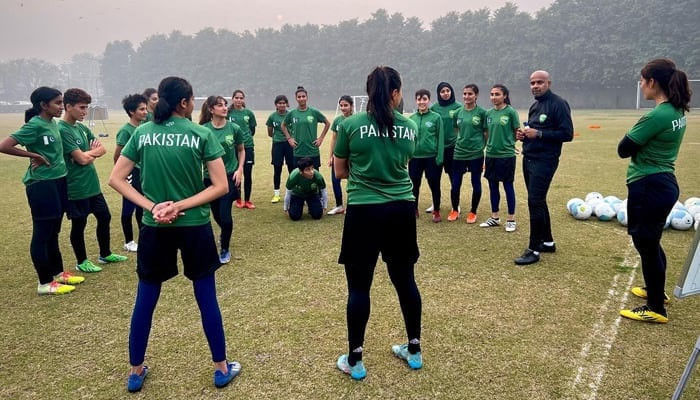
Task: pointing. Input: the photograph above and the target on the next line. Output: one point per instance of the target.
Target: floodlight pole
(638, 87)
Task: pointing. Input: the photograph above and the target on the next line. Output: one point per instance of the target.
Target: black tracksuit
(551, 115)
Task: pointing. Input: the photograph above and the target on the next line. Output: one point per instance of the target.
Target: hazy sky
(54, 30)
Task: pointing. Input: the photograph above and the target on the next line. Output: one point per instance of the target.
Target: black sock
(355, 356)
(414, 346)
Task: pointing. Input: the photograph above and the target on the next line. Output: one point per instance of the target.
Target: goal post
(359, 103)
(694, 101)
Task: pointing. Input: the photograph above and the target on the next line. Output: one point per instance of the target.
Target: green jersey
(81, 179)
(245, 119)
(171, 155)
(447, 113)
(124, 134)
(659, 133)
(303, 126)
(302, 186)
(471, 125)
(378, 160)
(229, 137)
(42, 137)
(274, 121)
(149, 116)
(501, 125)
(430, 139)
(334, 126)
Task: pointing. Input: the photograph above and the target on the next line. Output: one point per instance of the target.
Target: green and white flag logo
(246, 118)
(543, 117)
(310, 118)
(476, 120)
(504, 120)
(229, 140)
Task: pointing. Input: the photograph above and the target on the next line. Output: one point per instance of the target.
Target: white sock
(548, 243)
(277, 192)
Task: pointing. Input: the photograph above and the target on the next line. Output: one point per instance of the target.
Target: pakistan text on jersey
(169, 139)
(678, 123)
(398, 132)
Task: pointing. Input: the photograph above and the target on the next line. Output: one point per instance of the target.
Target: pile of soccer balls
(682, 216)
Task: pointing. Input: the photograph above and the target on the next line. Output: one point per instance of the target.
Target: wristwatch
(539, 134)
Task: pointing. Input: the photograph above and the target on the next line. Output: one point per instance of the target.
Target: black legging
(247, 181)
(433, 172)
(44, 249)
(77, 235)
(457, 178)
(359, 277)
(277, 177)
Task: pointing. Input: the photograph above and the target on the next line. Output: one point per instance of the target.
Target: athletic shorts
(316, 160)
(233, 191)
(500, 169)
(250, 155)
(84, 207)
(156, 260)
(282, 153)
(47, 199)
(387, 228)
(463, 166)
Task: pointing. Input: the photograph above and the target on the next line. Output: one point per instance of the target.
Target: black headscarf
(452, 94)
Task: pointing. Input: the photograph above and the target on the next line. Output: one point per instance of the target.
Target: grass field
(491, 330)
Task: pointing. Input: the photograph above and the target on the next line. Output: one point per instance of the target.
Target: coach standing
(549, 125)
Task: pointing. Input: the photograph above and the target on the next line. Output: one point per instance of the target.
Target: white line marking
(594, 354)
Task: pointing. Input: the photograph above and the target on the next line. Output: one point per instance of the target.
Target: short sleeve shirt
(124, 134)
(172, 154)
(378, 160)
(501, 126)
(82, 180)
(303, 126)
(274, 121)
(302, 186)
(245, 119)
(229, 137)
(471, 125)
(42, 137)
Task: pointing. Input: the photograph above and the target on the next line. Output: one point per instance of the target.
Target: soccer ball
(594, 203)
(694, 209)
(679, 206)
(611, 199)
(692, 201)
(681, 220)
(604, 212)
(616, 204)
(573, 203)
(582, 211)
(668, 220)
(622, 216)
(593, 195)
(697, 221)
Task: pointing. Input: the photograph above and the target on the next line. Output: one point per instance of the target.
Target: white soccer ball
(594, 203)
(593, 195)
(573, 203)
(681, 220)
(604, 212)
(697, 221)
(622, 216)
(582, 211)
(611, 199)
(692, 201)
(616, 205)
(694, 209)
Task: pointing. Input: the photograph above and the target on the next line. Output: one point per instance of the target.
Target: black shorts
(282, 153)
(156, 260)
(650, 200)
(388, 228)
(47, 199)
(84, 207)
(250, 155)
(500, 169)
(316, 160)
(463, 166)
(233, 191)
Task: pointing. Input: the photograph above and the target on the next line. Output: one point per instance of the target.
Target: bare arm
(341, 168)
(289, 137)
(237, 176)
(117, 152)
(319, 141)
(8, 146)
(269, 131)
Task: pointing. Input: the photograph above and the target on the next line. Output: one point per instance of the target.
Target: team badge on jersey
(459, 122)
(504, 120)
(476, 120)
(543, 117)
(310, 118)
(452, 113)
(229, 140)
(246, 119)
(428, 124)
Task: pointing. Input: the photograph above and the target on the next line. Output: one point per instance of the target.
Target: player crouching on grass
(305, 184)
(80, 150)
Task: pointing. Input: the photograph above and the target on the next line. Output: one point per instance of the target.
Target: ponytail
(503, 90)
(40, 95)
(170, 92)
(380, 84)
(673, 82)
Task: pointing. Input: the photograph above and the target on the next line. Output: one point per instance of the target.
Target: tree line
(587, 46)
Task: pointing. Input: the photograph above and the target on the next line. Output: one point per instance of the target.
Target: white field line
(595, 351)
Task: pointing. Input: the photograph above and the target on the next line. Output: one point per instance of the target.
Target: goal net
(694, 100)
